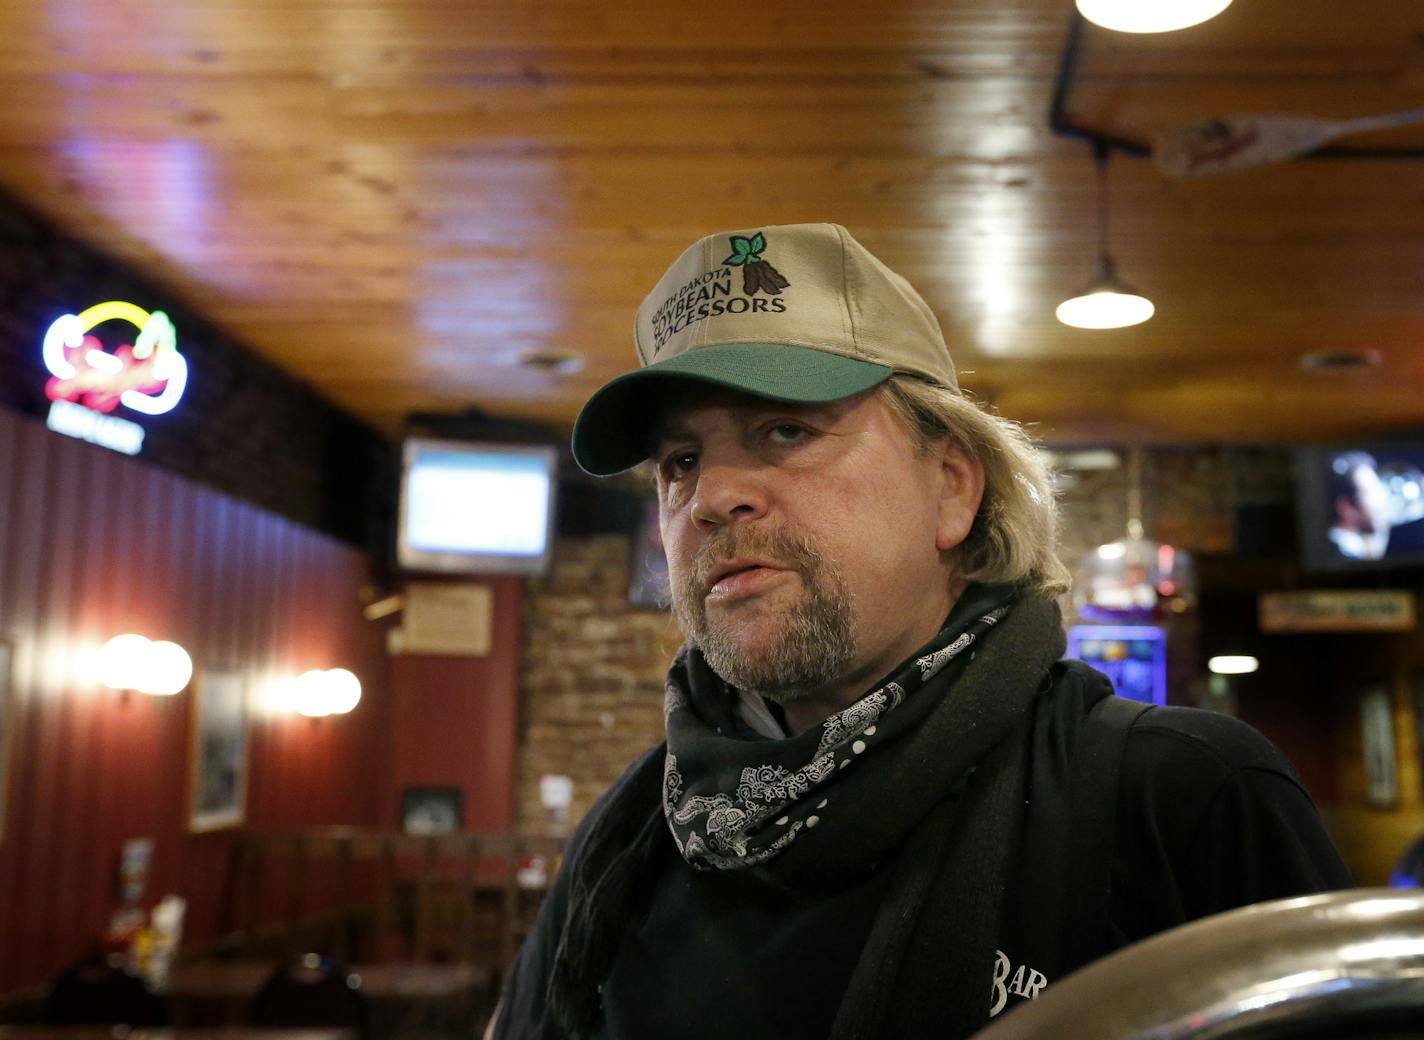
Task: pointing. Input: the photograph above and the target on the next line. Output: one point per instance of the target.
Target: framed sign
(1337, 610)
(217, 789)
(6, 725)
(1377, 732)
(445, 618)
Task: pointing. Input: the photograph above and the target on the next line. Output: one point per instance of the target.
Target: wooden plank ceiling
(397, 200)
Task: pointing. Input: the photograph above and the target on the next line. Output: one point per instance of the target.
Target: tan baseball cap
(800, 312)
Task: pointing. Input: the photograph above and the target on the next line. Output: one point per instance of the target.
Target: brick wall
(243, 426)
(591, 676)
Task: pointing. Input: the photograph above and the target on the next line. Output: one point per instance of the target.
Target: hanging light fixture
(1137, 16)
(1134, 578)
(1106, 302)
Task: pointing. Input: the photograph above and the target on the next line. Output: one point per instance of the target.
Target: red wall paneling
(93, 544)
(455, 721)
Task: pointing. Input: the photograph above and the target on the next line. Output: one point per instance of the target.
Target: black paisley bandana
(734, 803)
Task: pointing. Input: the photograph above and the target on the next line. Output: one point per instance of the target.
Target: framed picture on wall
(432, 810)
(217, 789)
(6, 726)
(1377, 733)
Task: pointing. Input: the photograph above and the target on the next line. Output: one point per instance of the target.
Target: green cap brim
(611, 432)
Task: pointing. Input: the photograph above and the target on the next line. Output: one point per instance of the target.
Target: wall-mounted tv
(476, 508)
(1361, 506)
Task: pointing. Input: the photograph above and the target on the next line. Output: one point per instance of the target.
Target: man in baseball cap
(838, 323)
(885, 806)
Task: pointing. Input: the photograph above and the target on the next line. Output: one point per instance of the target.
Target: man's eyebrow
(826, 412)
(666, 430)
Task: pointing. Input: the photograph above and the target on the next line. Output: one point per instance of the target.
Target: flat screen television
(1361, 507)
(468, 507)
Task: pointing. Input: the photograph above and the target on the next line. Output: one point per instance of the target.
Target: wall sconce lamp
(319, 693)
(134, 662)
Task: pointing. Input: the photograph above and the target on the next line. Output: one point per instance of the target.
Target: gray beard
(816, 638)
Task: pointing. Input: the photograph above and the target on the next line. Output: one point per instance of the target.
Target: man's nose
(728, 492)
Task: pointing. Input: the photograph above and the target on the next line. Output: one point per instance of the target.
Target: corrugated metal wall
(93, 544)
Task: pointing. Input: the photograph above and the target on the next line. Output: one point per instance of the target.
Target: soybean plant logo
(756, 272)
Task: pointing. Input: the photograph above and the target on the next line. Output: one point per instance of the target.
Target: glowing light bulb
(1137, 16)
(344, 690)
(310, 694)
(167, 670)
(1233, 664)
(123, 660)
(1105, 309)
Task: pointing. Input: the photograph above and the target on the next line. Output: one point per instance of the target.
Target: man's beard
(814, 639)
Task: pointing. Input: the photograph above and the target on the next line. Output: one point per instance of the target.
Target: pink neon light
(99, 388)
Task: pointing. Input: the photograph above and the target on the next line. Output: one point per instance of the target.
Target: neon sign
(147, 376)
(74, 420)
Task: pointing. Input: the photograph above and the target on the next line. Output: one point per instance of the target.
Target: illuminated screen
(1134, 657)
(476, 507)
(1361, 506)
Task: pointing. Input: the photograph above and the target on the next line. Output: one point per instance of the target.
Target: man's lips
(737, 563)
(741, 575)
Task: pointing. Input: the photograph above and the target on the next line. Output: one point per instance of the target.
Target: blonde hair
(1015, 534)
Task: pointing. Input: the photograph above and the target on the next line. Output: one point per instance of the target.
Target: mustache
(782, 547)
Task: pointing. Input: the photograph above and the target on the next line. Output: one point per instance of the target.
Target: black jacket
(1209, 816)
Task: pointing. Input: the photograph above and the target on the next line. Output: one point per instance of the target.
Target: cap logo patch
(757, 274)
(710, 294)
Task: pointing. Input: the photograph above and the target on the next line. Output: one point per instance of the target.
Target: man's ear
(961, 491)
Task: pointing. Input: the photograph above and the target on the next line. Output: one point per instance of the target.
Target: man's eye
(679, 463)
(787, 433)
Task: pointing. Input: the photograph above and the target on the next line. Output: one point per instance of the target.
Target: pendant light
(1134, 578)
(1150, 16)
(1106, 302)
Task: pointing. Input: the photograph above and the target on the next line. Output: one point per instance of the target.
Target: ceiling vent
(552, 361)
(1340, 360)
